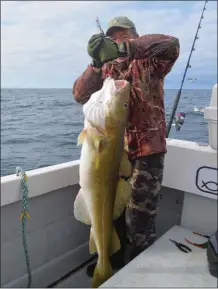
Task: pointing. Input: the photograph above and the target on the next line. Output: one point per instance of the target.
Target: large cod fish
(103, 194)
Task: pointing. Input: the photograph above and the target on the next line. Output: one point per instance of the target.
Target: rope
(23, 217)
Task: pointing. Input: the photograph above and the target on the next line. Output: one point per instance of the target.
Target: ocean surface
(39, 127)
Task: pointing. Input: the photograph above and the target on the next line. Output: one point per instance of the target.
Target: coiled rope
(23, 218)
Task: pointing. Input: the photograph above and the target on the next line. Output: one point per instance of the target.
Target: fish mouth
(116, 85)
(119, 84)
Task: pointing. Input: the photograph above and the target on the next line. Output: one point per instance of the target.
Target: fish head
(116, 102)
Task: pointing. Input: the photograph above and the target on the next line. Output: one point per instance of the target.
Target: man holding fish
(143, 61)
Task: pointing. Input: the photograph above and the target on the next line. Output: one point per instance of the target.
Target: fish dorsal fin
(115, 242)
(123, 194)
(125, 165)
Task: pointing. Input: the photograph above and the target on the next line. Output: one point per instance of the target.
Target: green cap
(120, 21)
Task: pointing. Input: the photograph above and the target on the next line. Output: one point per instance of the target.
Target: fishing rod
(99, 26)
(183, 79)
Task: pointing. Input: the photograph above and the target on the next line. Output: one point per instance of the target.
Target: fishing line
(176, 102)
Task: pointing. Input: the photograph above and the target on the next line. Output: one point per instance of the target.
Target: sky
(44, 43)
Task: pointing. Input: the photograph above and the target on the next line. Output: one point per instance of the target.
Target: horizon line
(194, 88)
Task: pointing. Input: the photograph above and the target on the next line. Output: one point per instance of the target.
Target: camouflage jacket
(154, 56)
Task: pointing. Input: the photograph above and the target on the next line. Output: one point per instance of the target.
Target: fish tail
(101, 274)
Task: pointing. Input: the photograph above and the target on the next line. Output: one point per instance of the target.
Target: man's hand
(94, 46)
(103, 49)
(110, 50)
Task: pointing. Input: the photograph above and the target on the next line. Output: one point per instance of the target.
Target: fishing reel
(179, 120)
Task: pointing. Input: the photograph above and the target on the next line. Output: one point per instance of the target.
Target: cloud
(44, 43)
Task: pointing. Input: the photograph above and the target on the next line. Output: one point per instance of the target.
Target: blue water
(39, 127)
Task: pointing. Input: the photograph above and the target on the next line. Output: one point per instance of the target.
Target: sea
(39, 127)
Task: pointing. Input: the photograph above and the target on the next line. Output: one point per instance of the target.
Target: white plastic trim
(181, 163)
(213, 100)
(210, 114)
(40, 181)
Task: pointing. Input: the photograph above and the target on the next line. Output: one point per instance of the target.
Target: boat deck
(161, 265)
(78, 279)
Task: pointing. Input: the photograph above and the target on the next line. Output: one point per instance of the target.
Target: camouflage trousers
(142, 209)
(139, 217)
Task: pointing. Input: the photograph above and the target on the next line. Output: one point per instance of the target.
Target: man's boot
(131, 253)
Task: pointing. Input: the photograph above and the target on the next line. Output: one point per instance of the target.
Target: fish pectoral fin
(122, 197)
(100, 143)
(81, 137)
(125, 165)
(115, 242)
(80, 209)
(98, 138)
(92, 246)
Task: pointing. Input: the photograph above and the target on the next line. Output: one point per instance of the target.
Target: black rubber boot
(90, 269)
(131, 254)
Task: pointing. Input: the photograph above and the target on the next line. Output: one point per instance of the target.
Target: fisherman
(143, 61)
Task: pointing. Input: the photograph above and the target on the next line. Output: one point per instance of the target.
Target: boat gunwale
(51, 178)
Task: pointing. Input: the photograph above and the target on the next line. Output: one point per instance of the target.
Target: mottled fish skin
(103, 195)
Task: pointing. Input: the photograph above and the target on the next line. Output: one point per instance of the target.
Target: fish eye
(125, 105)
